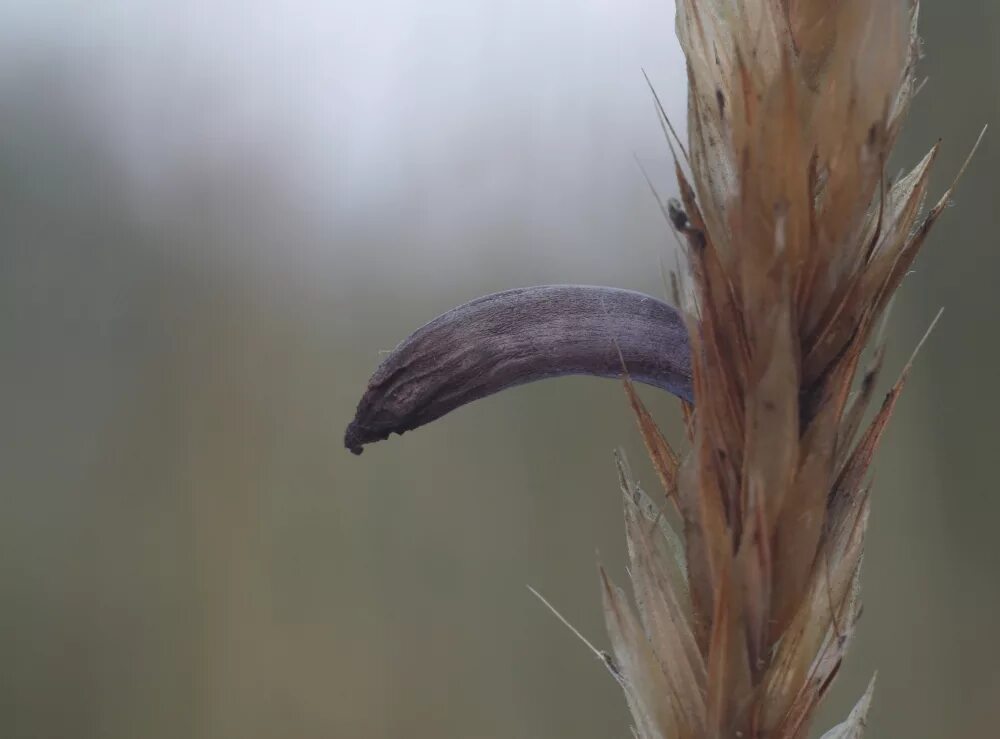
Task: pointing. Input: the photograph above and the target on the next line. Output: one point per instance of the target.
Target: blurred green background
(214, 216)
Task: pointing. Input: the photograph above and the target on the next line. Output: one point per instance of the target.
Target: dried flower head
(796, 243)
(745, 575)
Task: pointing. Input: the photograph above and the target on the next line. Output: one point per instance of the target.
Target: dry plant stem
(795, 244)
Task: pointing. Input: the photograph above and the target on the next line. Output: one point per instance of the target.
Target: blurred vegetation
(187, 550)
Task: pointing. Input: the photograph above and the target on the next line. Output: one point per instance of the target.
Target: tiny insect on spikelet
(795, 243)
(746, 577)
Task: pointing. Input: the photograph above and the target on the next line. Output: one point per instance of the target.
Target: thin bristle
(602, 656)
(668, 127)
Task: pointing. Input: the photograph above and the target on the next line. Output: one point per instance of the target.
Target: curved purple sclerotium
(519, 336)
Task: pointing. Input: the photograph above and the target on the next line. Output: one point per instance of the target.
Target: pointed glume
(519, 336)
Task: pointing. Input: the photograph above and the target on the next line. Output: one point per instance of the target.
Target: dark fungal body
(520, 336)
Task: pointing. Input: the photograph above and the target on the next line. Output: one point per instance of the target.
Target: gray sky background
(442, 113)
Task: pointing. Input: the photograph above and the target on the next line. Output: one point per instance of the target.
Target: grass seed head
(795, 242)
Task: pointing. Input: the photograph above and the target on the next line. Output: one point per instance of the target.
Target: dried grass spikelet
(795, 243)
(746, 579)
